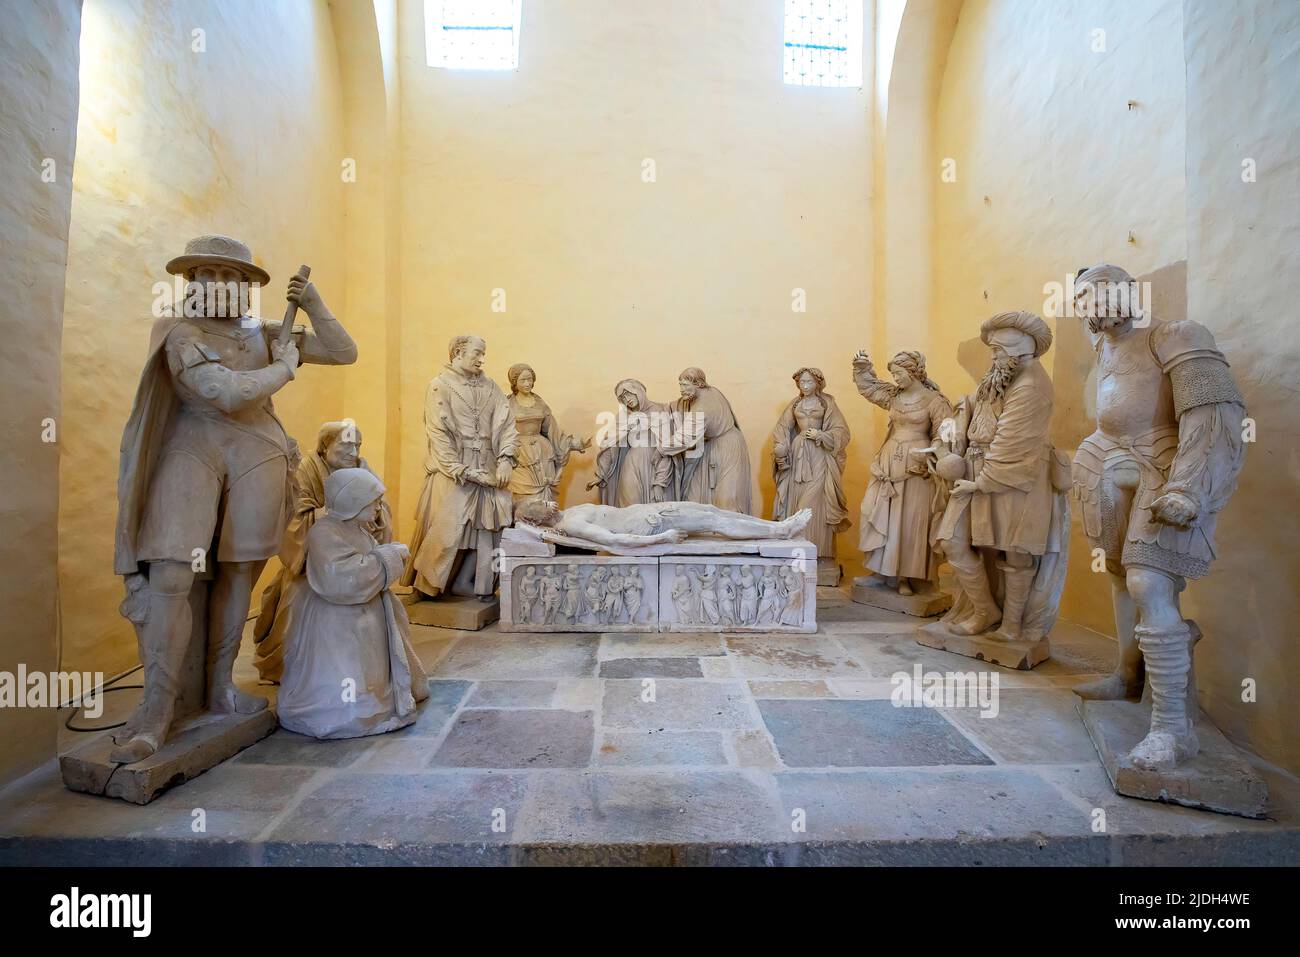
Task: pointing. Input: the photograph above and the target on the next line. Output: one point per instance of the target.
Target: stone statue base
(196, 743)
(829, 572)
(461, 612)
(1020, 655)
(872, 590)
(1218, 779)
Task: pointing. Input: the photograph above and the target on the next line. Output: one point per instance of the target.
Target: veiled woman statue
(543, 448)
(630, 469)
(905, 498)
(808, 451)
(710, 457)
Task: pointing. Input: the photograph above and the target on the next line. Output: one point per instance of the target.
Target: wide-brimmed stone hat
(218, 251)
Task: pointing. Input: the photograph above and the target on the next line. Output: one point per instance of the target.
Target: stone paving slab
(285, 748)
(786, 657)
(859, 734)
(512, 694)
(418, 808)
(517, 738)
(651, 668)
(649, 748)
(678, 705)
(908, 804)
(661, 645)
(693, 779)
(645, 806)
(1030, 727)
(492, 655)
(790, 689)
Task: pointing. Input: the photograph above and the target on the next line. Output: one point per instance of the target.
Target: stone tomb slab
(1218, 779)
(692, 593)
(587, 593)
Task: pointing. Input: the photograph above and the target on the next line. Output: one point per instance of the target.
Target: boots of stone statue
(974, 582)
(1168, 656)
(227, 613)
(1016, 585)
(164, 638)
(1127, 680)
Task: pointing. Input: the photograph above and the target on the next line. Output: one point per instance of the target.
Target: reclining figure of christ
(658, 523)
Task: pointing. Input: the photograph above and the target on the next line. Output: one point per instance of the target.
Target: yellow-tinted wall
(1068, 155)
(531, 182)
(242, 137)
(1243, 281)
(38, 125)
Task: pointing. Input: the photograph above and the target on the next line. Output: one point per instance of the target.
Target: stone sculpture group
(211, 486)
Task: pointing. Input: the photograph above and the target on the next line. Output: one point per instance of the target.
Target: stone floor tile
(648, 806)
(649, 748)
(285, 748)
(424, 808)
(1030, 727)
(660, 645)
(914, 804)
(861, 733)
(790, 689)
(650, 668)
(790, 657)
(517, 738)
(679, 705)
(495, 656)
(512, 694)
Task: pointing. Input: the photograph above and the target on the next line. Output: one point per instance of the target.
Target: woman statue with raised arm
(543, 448)
(808, 451)
(905, 496)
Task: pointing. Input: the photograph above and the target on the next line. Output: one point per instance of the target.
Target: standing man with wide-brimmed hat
(203, 481)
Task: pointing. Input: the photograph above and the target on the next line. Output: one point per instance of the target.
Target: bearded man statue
(1005, 529)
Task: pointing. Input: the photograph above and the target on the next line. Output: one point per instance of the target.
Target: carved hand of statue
(479, 477)
(592, 484)
(286, 352)
(658, 493)
(964, 487)
(504, 470)
(674, 536)
(581, 445)
(1174, 508)
(862, 361)
(303, 292)
(782, 462)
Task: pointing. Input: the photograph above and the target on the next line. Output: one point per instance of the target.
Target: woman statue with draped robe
(630, 469)
(543, 448)
(905, 498)
(809, 450)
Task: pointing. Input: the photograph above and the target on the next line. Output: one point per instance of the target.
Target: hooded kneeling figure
(349, 669)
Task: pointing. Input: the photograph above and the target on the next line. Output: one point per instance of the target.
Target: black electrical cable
(110, 686)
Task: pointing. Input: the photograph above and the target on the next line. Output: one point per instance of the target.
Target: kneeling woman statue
(349, 669)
